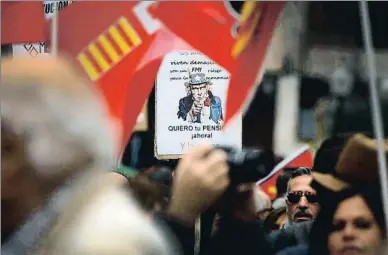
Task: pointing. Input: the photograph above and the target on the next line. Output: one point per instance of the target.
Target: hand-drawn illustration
(200, 104)
(190, 104)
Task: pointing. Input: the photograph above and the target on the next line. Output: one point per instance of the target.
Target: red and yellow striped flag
(117, 52)
(108, 41)
(109, 48)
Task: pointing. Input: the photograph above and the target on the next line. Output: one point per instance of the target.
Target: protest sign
(40, 49)
(190, 105)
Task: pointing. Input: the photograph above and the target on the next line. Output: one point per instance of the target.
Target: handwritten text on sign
(190, 104)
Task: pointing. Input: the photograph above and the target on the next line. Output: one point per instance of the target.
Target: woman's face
(354, 229)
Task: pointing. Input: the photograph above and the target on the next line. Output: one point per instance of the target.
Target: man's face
(199, 92)
(299, 208)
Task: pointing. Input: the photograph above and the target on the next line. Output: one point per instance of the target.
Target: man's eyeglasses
(294, 197)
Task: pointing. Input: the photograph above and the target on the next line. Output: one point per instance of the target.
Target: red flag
(111, 45)
(208, 27)
(302, 158)
(108, 42)
(249, 51)
(22, 21)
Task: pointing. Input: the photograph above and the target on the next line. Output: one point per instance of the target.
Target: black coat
(291, 236)
(232, 238)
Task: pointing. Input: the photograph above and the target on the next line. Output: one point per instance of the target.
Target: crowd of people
(61, 193)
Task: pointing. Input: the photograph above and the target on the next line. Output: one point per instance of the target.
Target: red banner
(22, 21)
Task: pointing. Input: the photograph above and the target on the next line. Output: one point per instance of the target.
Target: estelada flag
(113, 47)
(22, 21)
(209, 27)
(301, 158)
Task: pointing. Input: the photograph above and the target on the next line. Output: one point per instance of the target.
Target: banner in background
(22, 21)
(190, 104)
(39, 49)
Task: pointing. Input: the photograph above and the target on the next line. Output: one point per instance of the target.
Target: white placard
(177, 127)
(40, 49)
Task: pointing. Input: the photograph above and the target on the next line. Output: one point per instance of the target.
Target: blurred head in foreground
(104, 219)
(56, 133)
(50, 119)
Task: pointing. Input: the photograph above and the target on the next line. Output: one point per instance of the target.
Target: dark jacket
(301, 249)
(236, 237)
(232, 238)
(291, 236)
(186, 103)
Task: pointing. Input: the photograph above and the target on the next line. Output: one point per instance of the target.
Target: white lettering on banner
(150, 24)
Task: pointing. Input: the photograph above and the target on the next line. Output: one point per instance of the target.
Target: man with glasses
(301, 198)
(325, 161)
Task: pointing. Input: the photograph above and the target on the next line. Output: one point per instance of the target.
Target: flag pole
(375, 101)
(54, 34)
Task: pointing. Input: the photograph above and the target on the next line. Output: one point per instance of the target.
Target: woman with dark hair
(352, 223)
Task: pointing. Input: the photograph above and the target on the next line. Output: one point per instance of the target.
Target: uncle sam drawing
(200, 105)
